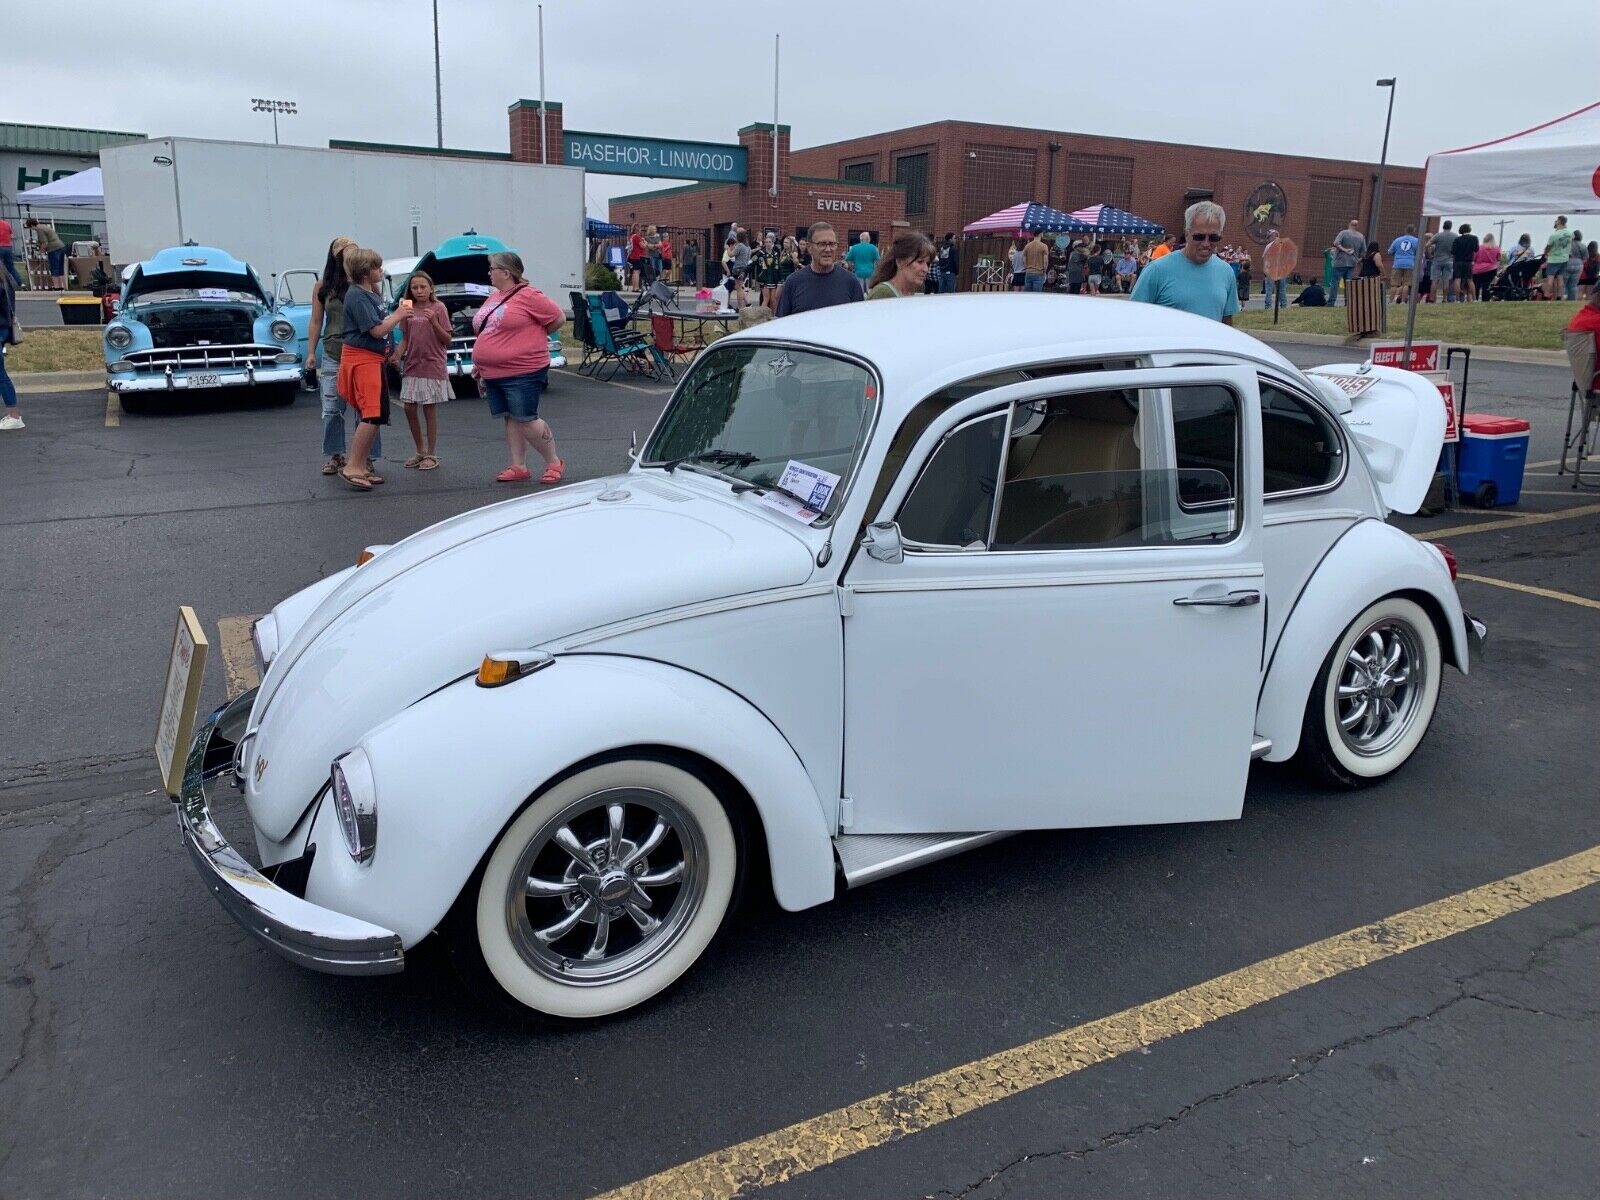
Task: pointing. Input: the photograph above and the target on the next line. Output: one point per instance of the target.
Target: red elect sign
(1447, 391)
(1424, 355)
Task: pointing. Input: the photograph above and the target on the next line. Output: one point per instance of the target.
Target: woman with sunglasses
(1194, 279)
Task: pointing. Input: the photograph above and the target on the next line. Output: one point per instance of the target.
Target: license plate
(204, 380)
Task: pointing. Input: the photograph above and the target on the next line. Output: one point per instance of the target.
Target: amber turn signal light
(364, 558)
(501, 667)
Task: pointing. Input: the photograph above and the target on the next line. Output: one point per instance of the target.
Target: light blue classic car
(195, 318)
(459, 268)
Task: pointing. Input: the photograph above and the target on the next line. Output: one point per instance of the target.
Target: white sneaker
(10, 422)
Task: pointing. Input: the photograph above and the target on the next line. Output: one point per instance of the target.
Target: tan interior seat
(1091, 434)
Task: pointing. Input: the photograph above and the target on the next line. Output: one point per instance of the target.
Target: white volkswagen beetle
(885, 582)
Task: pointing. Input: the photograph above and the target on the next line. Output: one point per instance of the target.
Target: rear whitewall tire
(1342, 755)
(506, 943)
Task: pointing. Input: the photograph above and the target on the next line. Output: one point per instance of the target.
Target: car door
(1064, 626)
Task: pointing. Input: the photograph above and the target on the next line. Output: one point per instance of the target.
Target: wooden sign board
(180, 698)
(1447, 390)
(1424, 355)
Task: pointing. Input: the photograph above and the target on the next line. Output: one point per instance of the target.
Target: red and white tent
(1551, 168)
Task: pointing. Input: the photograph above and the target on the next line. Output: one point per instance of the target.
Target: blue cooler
(1491, 455)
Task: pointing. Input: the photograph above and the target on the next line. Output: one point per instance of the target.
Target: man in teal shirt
(863, 256)
(1195, 280)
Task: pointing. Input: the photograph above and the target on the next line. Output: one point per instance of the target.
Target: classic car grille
(205, 358)
(461, 345)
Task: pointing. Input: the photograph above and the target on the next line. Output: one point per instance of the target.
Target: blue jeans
(1266, 292)
(947, 283)
(8, 256)
(1569, 277)
(1033, 281)
(333, 408)
(1344, 273)
(8, 390)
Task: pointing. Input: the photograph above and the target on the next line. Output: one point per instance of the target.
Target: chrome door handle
(1232, 600)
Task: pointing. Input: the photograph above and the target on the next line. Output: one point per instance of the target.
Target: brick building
(941, 176)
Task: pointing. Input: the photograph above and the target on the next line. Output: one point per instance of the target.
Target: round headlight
(355, 800)
(119, 337)
(283, 331)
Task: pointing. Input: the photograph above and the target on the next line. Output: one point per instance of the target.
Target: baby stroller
(1514, 282)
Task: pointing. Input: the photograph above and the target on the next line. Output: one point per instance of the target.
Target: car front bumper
(173, 381)
(302, 932)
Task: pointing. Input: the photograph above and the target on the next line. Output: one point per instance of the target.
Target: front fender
(1372, 560)
(453, 769)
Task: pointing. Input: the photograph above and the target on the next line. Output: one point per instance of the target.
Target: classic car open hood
(140, 282)
(1399, 420)
(513, 575)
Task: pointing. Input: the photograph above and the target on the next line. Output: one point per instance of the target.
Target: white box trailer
(278, 207)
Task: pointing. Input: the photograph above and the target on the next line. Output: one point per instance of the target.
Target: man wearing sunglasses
(1194, 279)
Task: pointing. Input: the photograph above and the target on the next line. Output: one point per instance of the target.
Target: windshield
(774, 416)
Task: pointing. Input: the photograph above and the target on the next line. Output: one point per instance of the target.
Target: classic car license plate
(204, 379)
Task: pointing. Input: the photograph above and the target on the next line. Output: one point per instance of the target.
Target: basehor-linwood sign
(661, 158)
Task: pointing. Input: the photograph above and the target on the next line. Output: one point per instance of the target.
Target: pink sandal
(553, 472)
(514, 475)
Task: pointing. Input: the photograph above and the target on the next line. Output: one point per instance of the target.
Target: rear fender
(454, 768)
(1372, 560)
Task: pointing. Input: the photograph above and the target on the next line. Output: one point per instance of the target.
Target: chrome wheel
(607, 886)
(1380, 687)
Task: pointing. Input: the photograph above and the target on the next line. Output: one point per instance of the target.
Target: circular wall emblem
(1264, 212)
(1594, 181)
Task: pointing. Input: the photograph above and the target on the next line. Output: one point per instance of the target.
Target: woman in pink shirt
(1485, 262)
(511, 360)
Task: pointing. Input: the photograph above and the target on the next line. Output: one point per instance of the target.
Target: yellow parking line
(113, 410)
(1547, 593)
(912, 1108)
(1582, 510)
(238, 655)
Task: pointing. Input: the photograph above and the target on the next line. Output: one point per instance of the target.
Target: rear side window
(1300, 449)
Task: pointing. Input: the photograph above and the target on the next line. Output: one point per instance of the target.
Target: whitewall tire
(602, 892)
(1375, 696)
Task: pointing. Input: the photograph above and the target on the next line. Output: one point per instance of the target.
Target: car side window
(952, 503)
(1300, 448)
(1080, 474)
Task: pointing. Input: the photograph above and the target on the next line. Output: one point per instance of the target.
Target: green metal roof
(61, 139)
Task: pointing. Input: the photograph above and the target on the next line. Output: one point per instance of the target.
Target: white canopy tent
(1551, 168)
(83, 190)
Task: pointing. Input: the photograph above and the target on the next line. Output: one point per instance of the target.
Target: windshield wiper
(763, 488)
(727, 458)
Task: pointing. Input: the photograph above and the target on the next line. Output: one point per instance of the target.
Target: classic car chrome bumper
(302, 932)
(1477, 636)
(171, 381)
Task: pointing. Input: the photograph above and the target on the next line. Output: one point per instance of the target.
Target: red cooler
(1492, 453)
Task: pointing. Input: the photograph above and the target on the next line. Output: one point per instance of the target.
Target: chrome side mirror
(882, 542)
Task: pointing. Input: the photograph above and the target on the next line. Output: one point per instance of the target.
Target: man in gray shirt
(1440, 266)
(1348, 247)
(823, 284)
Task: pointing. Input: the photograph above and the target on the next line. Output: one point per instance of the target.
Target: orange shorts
(361, 384)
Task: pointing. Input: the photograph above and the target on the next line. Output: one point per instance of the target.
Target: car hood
(514, 575)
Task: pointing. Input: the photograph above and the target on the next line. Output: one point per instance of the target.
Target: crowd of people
(351, 343)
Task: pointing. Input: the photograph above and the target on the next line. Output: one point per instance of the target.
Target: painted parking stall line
(904, 1111)
(113, 410)
(1547, 593)
(238, 654)
(1583, 510)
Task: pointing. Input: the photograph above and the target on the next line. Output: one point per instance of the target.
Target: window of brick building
(994, 177)
(1333, 204)
(1098, 179)
(912, 171)
(860, 172)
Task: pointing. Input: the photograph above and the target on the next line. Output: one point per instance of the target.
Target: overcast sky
(1291, 77)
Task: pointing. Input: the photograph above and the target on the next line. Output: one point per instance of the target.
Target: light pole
(1383, 160)
(438, 86)
(286, 107)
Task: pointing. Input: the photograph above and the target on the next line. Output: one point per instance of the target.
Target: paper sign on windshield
(215, 294)
(778, 502)
(811, 482)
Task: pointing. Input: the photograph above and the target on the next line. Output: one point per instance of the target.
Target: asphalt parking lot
(960, 1030)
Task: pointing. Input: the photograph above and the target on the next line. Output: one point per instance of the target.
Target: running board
(1260, 747)
(865, 857)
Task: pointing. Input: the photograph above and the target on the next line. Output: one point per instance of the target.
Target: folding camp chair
(1581, 441)
(582, 327)
(666, 346)
(617, 312)
(625, 348)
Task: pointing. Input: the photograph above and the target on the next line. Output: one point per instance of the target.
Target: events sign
(661, 158)
(1424, 355)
